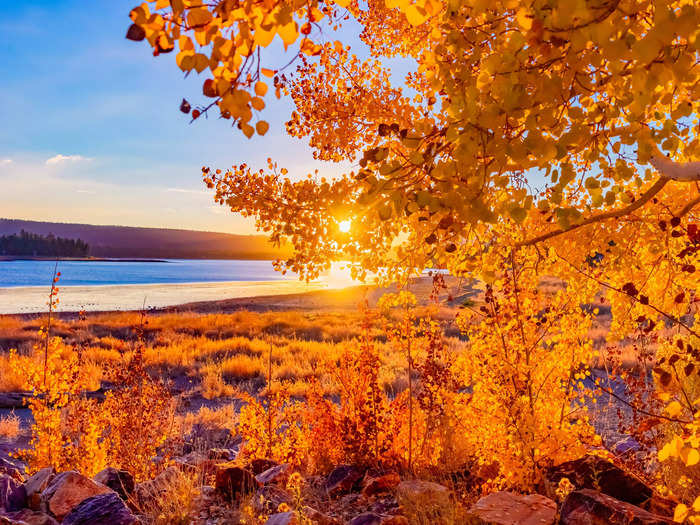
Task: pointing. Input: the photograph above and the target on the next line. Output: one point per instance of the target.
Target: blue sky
(91, 130)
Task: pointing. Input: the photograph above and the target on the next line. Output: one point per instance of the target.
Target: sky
(91, 132)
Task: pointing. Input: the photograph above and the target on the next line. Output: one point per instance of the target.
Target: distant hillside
(129, 242)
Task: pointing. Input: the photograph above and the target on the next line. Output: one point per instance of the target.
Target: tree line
(33, 244)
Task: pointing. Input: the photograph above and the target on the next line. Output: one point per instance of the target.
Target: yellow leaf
(288, 33)
(257, 103)
(247, 130)
(261, 127)
(524, 19)
(343, 3)
(267, 72)
(674, 408)
(162, 4)
(201, 61)
(414, 16)
(198, 17)
(692, 457)
(260, 89)
(262, 37)
(681, 513)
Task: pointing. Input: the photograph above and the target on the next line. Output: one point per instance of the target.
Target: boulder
(234, 482)
(120, 481)
(68, 489)
(342, 479)
(36, 484)
(222, 454)
(148, 491)
(13, 496)
(318, 518)
(590, 507)
(13, 468)
(29, 517)
(366, 518)
(196, 463)
(104, 509)
(509, 508)
(258, 466)
(277, 475)
(267, 499)
(371, 486)
(283, 518)
(596, 473)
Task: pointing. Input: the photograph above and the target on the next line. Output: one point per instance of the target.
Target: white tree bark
(680, 171)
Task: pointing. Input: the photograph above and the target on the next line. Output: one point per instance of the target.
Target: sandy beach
(33, 299)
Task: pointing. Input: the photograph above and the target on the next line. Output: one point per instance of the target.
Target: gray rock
(103, 509)
(342, 479)
(509, 508)
(367, 518)
(587, 507)
(67, 490)
(35, 485)
(13, 496)
(120, 481)
(30, 517)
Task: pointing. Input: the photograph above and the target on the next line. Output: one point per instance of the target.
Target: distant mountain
(130, 242)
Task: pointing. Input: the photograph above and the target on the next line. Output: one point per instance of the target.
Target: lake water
(121, 285)
(92, 273)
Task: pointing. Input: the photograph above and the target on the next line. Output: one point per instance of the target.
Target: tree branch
(680, 171)
(643, 199)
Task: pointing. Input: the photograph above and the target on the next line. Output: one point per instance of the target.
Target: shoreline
(23, 300)
(13, 258)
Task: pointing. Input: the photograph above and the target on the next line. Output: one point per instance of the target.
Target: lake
(93, 273)
(122, 285)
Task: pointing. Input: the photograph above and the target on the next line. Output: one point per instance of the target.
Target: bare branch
(679, 171)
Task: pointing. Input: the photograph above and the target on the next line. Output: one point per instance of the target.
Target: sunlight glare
(344, 226)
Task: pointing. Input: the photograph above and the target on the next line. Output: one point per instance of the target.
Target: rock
(13, 468)
(283, 518)
(35, 485)
(277, 474)
(148, 491)
(196, 463)
(258, 466)
(222, 454)
(13, 496)
(210, 436)
(509, 508)
(120, 481)
(267, 499)
(596, 473)
(103, 509)
(30, 517)
(233, 482)
(342, 479)
(68, 489)
(381, 484)
(318, 518)
(424, 500)
(590, 507)
(366, 518)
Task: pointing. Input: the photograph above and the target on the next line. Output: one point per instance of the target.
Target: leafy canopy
(528, 116)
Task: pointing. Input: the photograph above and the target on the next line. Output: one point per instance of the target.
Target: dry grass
(10, 427)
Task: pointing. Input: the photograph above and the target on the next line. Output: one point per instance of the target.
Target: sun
(344, 226)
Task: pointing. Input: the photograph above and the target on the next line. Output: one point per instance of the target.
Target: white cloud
(5, 162)
(86, 191)
(58, 159)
